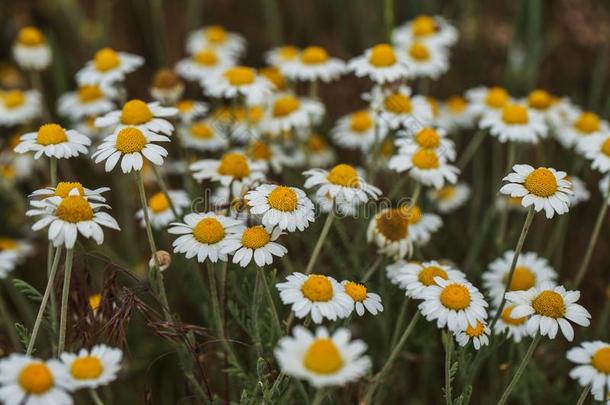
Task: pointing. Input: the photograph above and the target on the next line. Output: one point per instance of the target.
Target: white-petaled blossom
(436, 139)
(342, 183)
(415, 277)
(579, 126)
(593, 365)
(358, 130)
(450, 198)
(202, 135)
(483, 100)
(579, 191)
(288, 208)
(389, 229)
(322, 359)
(363, 299)
(108, 67)
(138, 114)
(92, 368)
(88, 100)
(54, 141)
(400, 108)
(233, 168)
(434, 30)
(189, 109)
(514, 328)
(256, 242)
(287, 112)
(166, 87)
(204, 63)
(479, 335)
(313, 64)
(269, 155)
(455, 113)
(238, 81)
(19, 107)
(63, 188)
(215, 37)
(597, 149)
(12, 252)
(380, 64)
(515, 122)
(31, 50)
(160, 208)
(424, 60)
(426, 166)
(279, 55)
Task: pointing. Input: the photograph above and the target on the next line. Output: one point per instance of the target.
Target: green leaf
(27, 290)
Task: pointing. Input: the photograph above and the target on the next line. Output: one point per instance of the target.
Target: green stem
(399, 321)
(65, 293)
(95, 397)
(319, 398)
(388, 17)
(165, 191)
(583, 395)
(320, 242)
(372, 269)
(471, 148)
(53, 171)
(274, 314)
(448, 341)
(520, 369)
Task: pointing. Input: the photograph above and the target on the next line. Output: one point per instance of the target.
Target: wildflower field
(291, 202)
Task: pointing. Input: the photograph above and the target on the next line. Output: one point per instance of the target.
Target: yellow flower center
(457, 104)
(541, 182)
(496, 97)
(135, 112)
(361, 121)
(158, 202)
(285, 105)
(86, 368)
(425, 159)
(283, 199)
(428, 138)
(476, 331)
(382, 55)
(234, 164)
(523, 279)
(398, 103)
(239, 75)
(30, 36)
(413, 213)
(95, 301)
(588, 122)
(36, 378)
(274, 76)
(260, 151)
(393, 224)
(316, 143)
(323, 357)
(130, 140)
(514, 114)
(549, 303)
(74, 209)
(601, 360)
(185, 106)
(13, 99)
(207, 57)
(165, 79)
(255, 237)
(606, 147)
(446, 193)
(7, 244)
(254, 114)
(288, 52)
(209, 231)
(89, 93)
(426, 276)
(539, 99)
(51, 134)
(344, 175)
(455, 297)
(63, 188)
(317, 288)
(201, 130)
(216, 34)
(313, 55)
(419, 51)
(106, 59)
(423, 25)
(512, 321)
(355, 290)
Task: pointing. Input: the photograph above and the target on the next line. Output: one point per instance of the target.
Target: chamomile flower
(545, 104)
(54, 141)
(281, 54)
(452, 303)
(26, 380)
(166, 87)
(189, 109)
(13, 252)
(389, 229)
(255, 241)
(484, 100)
(316, 295)
(593, 365)
(380, 64)
(313, 64)
(288, 208)
(426, 138)
(322, 359)
(544, 188)
(204, 63)
(422, 225)
(455, 113)
(271, 156)
(424, 60)
(515, 123)
(415, 277)
(243, 123)
(514, 328)
(288, 112)
(450, 198)
(88, 100)
(328, 204)
(233, 168)
(31, 50)
(8, 262)
(426, 166)
(215, 37)
(599, 396)
(580, 126)
(275, 77)
(531, 271)
(63, 188)
(579, 191)
(138, 114)
(433, 30)
(204, 235)
(479, 335)
(549, 308)
(18, 107)
(71, 215)
(130, 145)
(93, 368)
(401, 109)
(597, 149)
(362, 298)
(108, 66)
(237, 81)
(202, 135)
(159, 209)
(358, 130)
(316, 152)
(342, 183)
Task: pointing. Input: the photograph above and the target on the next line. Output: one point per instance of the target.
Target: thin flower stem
(320, 242)
(36, 82)
(319, 398)
(448, 341)
(65, 292)
(53, 171)
(372, 269)
(164, 189)
(470, 149)
(95, 397)
(274, 315)
(416, 194)
(583, 395)
(520, 369)
(45, 299)
(524, 230)
(400, 321)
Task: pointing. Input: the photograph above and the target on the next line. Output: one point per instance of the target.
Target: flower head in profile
(478, 335)
(342, 183)
(108, 67)
(358, 130)
(593, 365)
(160, 211)
(54, 141)
(380, 64)
(433, 30)
(215, 37)
(238, 81)
(363, 299)
(455, 113)
(202, 135)
(89, 100)
(93, 368)
(515, 122)
(401, 109)
(485, 100)
(415, 277)
(424, 59)
(256, 242)
(515, 328)
(282, 54)
(450, 198)
(579, 127)
(204, 63)
(189, 109)
(31, 50)
(597, 149)
(18, 107)
(288, 112)
(426, 166)
(138, 114)
(313, 64)
(288, 208)
(166, 87)
(233, 168)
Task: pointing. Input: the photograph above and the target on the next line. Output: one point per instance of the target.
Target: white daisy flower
(233, 168)
(415, 277)
(288, 112)
(254, 241)
(31, 50)
(26, 380)
(549, 106)
(189, 109)
(159, 209)
(426, 166)
(549, 308)
(342, 183)
(599, 396)
(275, 77)
(580, 126)
(531, 271)
(202, 135)
(452, 303)
(422, 225)
(204, 235)
(389, 229)
(515, 123)
(426, 138)
(238, 81)
(63, 188)
(362, 298)
(597, 149)
(579, 191)
(316, 152)
(12, 252)
(19, 107)
(271, 156)
(424, 60)
(281, 54)
(455, 114)
(243, 123)
(513, 327)
(70, 216)
(544, 188)
(316, 295)
(434, 30)
(380, 64)
(93, 368)
(313, 64)
(54, 141)
(129, 144)
(357, 131)
(215, 37)
(288, 208)
(400, 109)
(166, 87)
(8, 262)
(487, 99)
(593, 365)
(136, 113)
(323, 360)
(204, 63)
(326, 203)
(450, 197)
(108, 67)
(479, 335)
(88, 101)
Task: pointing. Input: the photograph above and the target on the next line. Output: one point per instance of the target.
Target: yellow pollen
(355, 290)
(601, 360)
(413, 213)
(317, 288)
(428, 138)
(106, 59)
(13, 99)
(234, 164)
(86, 368)
(130, 140)
(549, 303)
(539, 99)
(285, 105)
(36, 378)
(135, 112)
(89, 93)
(283, 199)
(30, 36)
(393, 224)
(165, 79)
(427, 274)
(239, 75)
(274, 76)
(523, 279)
(209, 231)
(344, 175)
(51, 134)
(216, 34)
(158, 202)
(541, 182)
(455, 297)
(423, 25)
(382, 55)
(259, 150)
(398, 103)
(313, 55)
(457, 104)
(185, 106)
(201, 130)
(63, 188)
(587, 122)
(206, 57)
(316, 143)
(476, 331)
(7, 244)
(514, 114)
(606, 147)
(74, 209)
(95, 301)
(288, 52)
(512, 321)
(446, 193)
(496, 97)
(419, 51)
(361, 121)
(255, 237)
(425, 159)
(323, 357)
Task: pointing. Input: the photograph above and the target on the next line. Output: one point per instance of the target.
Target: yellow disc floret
(130, 140)
(36, 378)
(514, 114)
(106, 59)
(539, 99)
(549, 303)
(523, 279)
(51, 134)
(239, 75)
(361, 121)
(506, 318)
(419, 51)
(393, 224)
(7, 244)
(425, 159)
(355, 290)
(541, 182)
(89, 93)
(496, 97)
(477, 330)
(456, 104)
(201, 130)
(135, 112)
(216, 34)
(317, 288)
(427, 274)
(13, 99)
(382, 55)
(165, 79)
(255, 237)
(423, 25)
(209, 231)
(30, 36)
(588, 122)
(606, 147)
(74, 209)
(428, 138)
(94, 301)
(285, 105)
(323, 357)
(158, 202)
(283, 199)
(235, 165)
(601, 360)
(313, 55)
(344, 175)
(86, 368)
(63, 188)
(398, 103)
(455, 296)
(207, 57)
(259, 150)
